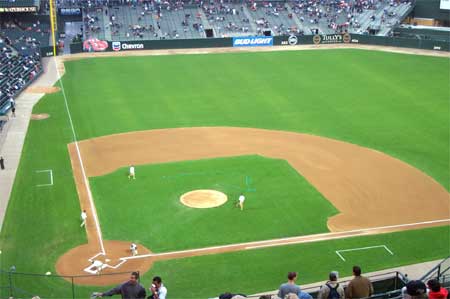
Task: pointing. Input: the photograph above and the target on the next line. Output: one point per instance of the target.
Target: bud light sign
(253, 41)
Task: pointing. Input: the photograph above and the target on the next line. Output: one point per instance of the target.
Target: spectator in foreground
(129, 290)
(157, 289)
(414, 289)
(359, 286)
(332, 289)
(290, 286)
(435, 290)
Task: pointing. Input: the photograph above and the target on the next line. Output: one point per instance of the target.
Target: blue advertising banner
(253, 41)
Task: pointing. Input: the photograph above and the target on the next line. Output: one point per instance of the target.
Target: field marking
(51, 177)
(284, 241)
(86, 182)
(338, 252)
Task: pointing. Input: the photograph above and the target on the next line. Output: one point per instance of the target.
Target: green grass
(255, 271)
(394, 103)
(155, 217)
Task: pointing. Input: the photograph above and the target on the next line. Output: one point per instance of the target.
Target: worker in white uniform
(132, 173)
(240, 202)
(83, 218)
(133, 248)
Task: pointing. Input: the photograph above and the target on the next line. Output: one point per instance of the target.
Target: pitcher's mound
(202, 199)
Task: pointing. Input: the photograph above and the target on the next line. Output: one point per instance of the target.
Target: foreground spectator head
(436, 291)
(415, 289)
(134, 277)
(292, 276)
(333, 276)
(356, 271)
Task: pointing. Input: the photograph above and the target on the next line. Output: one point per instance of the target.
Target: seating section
(420, 32)
(26, 38)
(170, 20)
(17, 3)
(17, 70)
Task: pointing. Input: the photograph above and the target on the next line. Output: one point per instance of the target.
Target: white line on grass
(86, 182)
(290, 240)
(338, 252)
(51, 177)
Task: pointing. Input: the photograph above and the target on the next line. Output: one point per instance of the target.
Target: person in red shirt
(435, 290)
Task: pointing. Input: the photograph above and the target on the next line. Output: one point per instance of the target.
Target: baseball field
(333, 149)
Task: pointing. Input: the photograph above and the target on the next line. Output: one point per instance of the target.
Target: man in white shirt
(83, 218)
(158, 290)
(241, 201)
(131, 173)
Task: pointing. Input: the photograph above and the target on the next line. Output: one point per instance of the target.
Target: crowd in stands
(20, 61)
(134, 20)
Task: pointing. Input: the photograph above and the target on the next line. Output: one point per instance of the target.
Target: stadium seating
(167, 20)
(17, 70)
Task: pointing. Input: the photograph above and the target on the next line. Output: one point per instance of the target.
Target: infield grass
(279, 203)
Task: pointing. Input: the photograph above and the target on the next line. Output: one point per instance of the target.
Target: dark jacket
(128, 291)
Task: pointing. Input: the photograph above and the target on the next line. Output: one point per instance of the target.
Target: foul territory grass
(151, 212)
(256, 271)
(394, 103)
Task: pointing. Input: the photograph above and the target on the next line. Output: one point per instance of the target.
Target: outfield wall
(265, 42)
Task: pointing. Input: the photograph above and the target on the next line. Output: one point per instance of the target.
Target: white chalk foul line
(51, 177)
(86, 182)
(290, 240)
(338, 252)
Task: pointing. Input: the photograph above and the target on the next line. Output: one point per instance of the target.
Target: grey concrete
(13, 136)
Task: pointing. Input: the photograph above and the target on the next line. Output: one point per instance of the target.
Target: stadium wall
(275, 41)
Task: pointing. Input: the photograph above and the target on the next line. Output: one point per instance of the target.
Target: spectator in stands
(414, 289)
(435, 290)
(158, 290)
(129, 290)
(290, 286)
(332, 289)
(359, 286)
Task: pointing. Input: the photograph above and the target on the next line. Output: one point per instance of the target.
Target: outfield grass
(394, 103)
(374, 99)
(279, 203)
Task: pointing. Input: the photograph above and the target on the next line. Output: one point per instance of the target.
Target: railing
(440, 271)
(386, 285)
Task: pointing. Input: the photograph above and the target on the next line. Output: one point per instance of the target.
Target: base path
(361, 183)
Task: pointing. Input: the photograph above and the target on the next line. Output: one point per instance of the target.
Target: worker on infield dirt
(132, 173)
(83, 218)
(240, 202)
(133, 249)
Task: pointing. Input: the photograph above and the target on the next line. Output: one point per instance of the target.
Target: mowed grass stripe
(394, 103)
